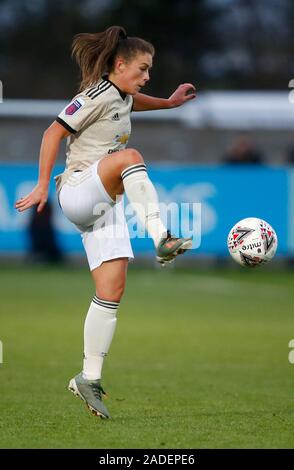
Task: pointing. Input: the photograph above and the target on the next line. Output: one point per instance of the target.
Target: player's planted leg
(98, 333)
(91, 392)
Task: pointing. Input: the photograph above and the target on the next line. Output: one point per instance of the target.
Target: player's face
(134, 74)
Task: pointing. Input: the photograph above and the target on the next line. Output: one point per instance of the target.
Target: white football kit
(99, 122)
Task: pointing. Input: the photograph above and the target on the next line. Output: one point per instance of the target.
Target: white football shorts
(101, 221)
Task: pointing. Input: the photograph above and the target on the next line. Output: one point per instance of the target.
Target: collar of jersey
(122, 94)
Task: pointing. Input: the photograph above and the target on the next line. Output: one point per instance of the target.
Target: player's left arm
(181, 95)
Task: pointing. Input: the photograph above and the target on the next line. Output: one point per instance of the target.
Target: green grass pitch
(199, 360)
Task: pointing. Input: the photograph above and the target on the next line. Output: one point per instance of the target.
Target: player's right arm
(48, 154)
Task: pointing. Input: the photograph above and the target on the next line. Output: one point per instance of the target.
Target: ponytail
(95, 52)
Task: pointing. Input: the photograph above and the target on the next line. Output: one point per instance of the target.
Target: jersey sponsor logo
(74, 106)
(115, 117)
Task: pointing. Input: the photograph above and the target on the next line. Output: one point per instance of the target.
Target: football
(252, 242)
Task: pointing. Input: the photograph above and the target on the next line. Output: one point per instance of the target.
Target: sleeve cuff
(65, 125)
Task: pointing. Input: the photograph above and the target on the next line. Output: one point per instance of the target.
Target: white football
(252, 242)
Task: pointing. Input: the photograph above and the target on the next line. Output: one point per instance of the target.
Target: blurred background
(231, 149)
(202, 348)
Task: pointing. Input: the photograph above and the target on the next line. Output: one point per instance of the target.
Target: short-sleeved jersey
(99, 122)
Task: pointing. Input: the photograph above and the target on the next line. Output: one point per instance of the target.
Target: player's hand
(183, 93)
(38, 196)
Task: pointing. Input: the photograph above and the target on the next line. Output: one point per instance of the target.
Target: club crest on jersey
(122, 138)
(74, 106)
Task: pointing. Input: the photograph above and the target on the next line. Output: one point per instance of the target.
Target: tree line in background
(216, 44)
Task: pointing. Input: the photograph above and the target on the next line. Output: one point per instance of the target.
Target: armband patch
(74, 106)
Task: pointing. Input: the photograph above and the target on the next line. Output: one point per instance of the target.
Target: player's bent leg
(111, 166)
(100, 324)
(126, 170)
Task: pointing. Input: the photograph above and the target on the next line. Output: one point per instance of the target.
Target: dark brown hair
(95, 53)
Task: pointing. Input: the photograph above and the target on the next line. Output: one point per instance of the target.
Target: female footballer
(99, 169)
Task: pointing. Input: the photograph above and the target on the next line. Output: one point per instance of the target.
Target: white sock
(143, 196)
(99, 329)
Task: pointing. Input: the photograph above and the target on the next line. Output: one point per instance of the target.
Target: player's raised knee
(132, 156)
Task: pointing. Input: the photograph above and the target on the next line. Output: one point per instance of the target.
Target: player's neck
(116, 81)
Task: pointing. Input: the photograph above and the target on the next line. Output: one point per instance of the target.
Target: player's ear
(120, 64)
